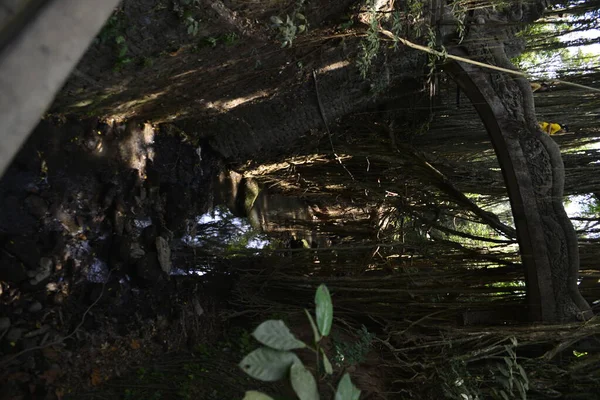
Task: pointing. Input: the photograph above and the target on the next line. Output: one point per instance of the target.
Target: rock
(98, 271)
(68, 222)
(197, 307)
(4, 324)
(136, 251)
(148, 267)
(52, 287)
(164, 254)
(118, 222)
(14, 334)
(35, 307)
(36, 206)
(43, 272)
(128, 227)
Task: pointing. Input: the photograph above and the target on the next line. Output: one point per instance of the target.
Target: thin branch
(479, 64)
(322, 111)
(8, 360)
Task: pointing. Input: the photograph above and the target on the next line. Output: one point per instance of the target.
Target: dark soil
(79, 200)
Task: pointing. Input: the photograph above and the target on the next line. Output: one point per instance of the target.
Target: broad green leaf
(324, 310)
(313, 326)
(275, 334)
(300, 16)
(505, 382)
(267, 364)
(254, 395)
(521, 389)
(346, 390)
(503, 370)
(303, 382)
(276, 20)
(326, 363)
(524, 376)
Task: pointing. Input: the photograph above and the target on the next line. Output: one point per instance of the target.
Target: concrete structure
(41, 41)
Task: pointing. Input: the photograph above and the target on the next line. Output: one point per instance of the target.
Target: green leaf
(120, 39)
(254, 395)
(524, 376)
(521, 389)
(276, 20)
(324, 310)
(503, 370)
(505, 382)
(275, 334)
(316, 334)
(326, 363)
(267, 364)
(301, 28)
(303, 382)
(300, 16)
(346, 390)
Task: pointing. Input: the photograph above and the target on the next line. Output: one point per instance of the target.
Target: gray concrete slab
(36, 63)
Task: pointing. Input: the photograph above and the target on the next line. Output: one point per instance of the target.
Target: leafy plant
(184, 9)
(510, 376)
(369, 47)
(230, 38)
(457, 382)
(433, 58)
(122, 51)
(353, 353)
(275, 359)
(499, 380)
(289, 29)
(113, 35)
(192, 25)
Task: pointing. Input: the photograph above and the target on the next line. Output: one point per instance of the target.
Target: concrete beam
(36, 62)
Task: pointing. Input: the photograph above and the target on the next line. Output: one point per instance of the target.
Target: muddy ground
(82, 212)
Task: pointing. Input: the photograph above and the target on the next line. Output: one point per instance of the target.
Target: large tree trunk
(532, 167)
